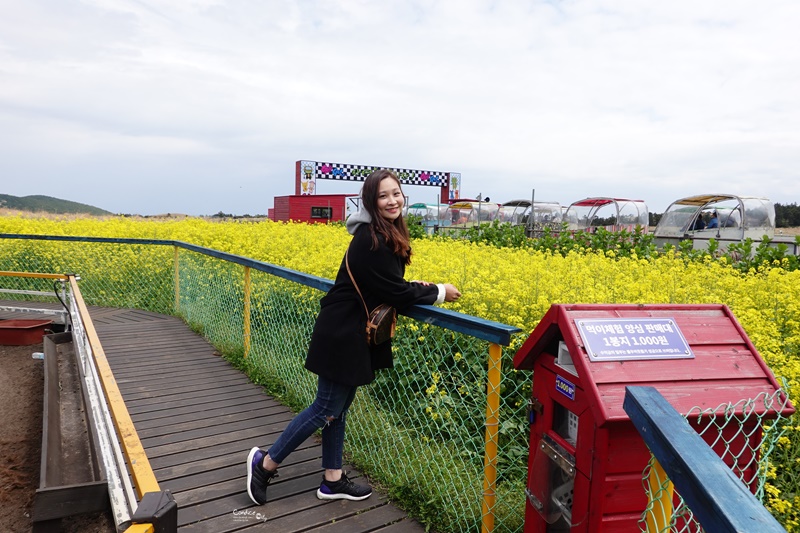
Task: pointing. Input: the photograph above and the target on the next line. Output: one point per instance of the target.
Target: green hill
(48, 204)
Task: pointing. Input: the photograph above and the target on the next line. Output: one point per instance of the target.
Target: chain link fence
(743, 434)
(419, 431)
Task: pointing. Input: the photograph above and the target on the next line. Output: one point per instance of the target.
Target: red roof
(726, 366)
(588, 202)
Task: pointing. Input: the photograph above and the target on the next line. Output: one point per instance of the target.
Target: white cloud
(573, 98)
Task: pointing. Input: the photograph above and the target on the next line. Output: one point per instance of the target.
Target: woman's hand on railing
(451, 294)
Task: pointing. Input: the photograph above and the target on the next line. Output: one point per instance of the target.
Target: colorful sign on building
(308, 172)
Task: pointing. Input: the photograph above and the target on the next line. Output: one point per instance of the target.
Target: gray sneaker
(344, 489)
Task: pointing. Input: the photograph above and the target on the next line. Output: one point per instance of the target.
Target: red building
(321, 208)
(307, 206)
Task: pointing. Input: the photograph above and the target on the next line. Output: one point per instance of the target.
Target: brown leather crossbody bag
(381, 321)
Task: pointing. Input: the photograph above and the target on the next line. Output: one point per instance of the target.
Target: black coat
(339, 349)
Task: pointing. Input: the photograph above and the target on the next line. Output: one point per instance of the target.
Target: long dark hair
(395, 232)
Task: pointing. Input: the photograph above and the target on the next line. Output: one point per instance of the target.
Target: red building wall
(322, 208)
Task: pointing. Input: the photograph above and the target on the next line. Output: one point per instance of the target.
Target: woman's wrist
(442, 294)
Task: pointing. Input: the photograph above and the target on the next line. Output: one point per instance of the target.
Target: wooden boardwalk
(198, 417)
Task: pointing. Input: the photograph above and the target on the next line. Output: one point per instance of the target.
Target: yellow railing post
(177, 284)
(660, 516)
(492, 427)
(246, 311)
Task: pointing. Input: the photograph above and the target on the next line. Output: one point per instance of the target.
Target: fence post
(177, 283)
(492, 423)
(661, 516)
(246, 311)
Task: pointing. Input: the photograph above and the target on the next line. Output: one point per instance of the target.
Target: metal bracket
(558, 455)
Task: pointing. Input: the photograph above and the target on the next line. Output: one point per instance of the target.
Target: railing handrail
(486, 330)
(714, 494)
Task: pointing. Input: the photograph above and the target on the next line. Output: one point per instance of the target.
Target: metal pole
(532, 216)
(480, 201)
(492, 427)
(660, 516)
(439, 220)
(177, 282)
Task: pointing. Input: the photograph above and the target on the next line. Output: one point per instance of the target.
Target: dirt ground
(787, 231)
(21, 393)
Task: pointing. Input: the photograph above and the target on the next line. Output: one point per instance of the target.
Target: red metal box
(586, 457)
(20, 332)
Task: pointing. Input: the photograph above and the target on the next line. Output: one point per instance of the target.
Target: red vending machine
(586, 458)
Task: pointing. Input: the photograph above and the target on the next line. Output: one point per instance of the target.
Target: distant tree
(654, 218)
(787, 216)
(604, 221)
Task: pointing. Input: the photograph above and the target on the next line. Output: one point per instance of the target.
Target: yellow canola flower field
(513, 286)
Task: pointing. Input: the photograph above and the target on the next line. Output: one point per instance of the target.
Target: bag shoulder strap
(347, 265)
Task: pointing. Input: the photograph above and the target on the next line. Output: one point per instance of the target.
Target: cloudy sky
(201, 106)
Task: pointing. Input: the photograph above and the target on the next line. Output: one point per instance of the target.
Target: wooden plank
(136, 353)
(722, 363)
(199, 431)
(265, 426)
(215, 400)
(294, 478)
(201, 416)
(290, 508)
(171, 397)
(236, 512)
(172, 338)
(243, 444)
(320, 515)
(230, 467)
(363, 522)
(153, 388)
(215, 440)
(309, 449)
(179, 414)
(685, 396)
(144, 373)
(407, 525)
(187, 360)
(134, 382)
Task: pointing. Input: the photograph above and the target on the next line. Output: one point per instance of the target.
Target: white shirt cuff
(442, 292)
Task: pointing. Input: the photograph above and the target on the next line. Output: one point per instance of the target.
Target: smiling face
(390, 199)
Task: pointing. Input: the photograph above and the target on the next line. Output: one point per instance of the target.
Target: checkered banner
(314, 170)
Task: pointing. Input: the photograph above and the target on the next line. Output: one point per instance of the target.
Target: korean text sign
(633, 338)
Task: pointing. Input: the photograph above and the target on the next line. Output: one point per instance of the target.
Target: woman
(338, 352)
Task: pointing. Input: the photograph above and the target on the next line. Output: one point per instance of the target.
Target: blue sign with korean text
(633, 338)
(567, 388)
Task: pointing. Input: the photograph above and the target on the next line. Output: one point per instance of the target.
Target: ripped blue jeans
(329, 412)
